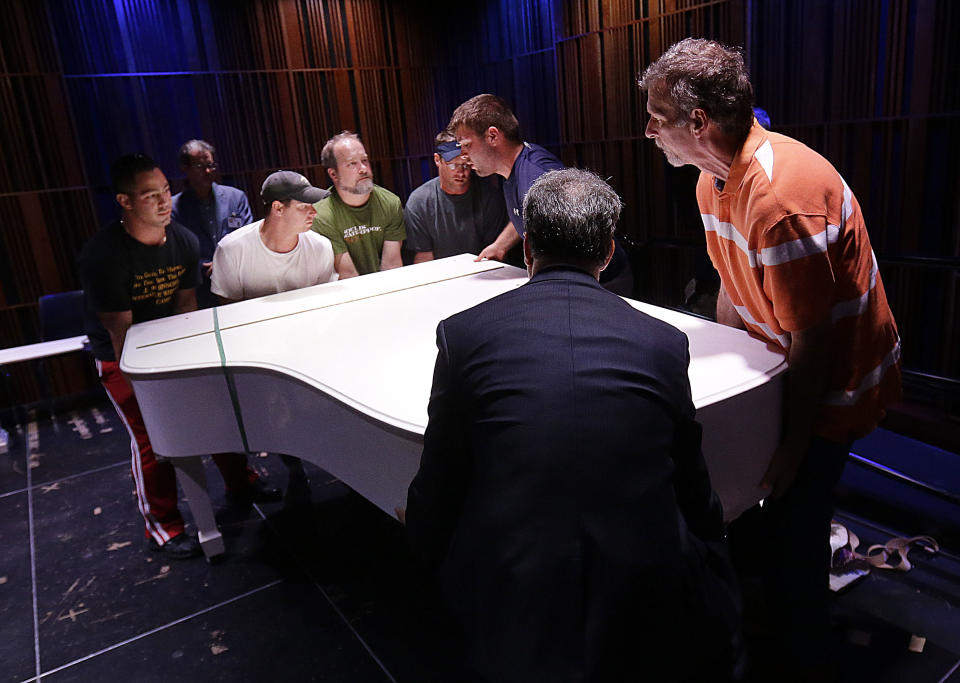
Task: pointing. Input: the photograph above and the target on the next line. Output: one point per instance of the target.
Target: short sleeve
(418, 236)
(104, 277)
(394, 229)
(323, 224)
(105, 287)
(321, 257)
(798, 277)
(225, 278)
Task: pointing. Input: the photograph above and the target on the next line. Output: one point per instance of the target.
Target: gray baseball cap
(284, 185)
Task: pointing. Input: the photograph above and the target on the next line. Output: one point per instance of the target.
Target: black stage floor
(324, 591)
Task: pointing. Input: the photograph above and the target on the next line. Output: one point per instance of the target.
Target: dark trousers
(786, 545)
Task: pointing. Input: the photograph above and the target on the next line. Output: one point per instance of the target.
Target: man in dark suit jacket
(562, 495)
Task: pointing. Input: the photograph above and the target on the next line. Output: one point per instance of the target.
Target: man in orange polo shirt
(797, 270)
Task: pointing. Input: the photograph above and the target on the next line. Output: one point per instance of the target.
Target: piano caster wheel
(212, 545)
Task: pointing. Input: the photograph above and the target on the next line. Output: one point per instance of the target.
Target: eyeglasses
(458, 167)
(204, 167)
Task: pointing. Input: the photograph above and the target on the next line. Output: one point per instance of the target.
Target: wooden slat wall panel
(324, 41)
(591, 83)
(367, 42)
(619, 13)
(574, 20)
(41, 235)
(39, 148)
(17, 172)
(871, 85)
(944, 94)
(623, 107)
(235, 32)
(22, 282)
(87, 37)
(69, 221)
(155, 112)
(318, 113)
(27, 46)
(569, 109)
(535, 104)
(421, 119)
(380, 112)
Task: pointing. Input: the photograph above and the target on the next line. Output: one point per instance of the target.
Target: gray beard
(672, 158)
(362, 187)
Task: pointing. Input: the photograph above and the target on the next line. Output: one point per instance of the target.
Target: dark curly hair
(703, 74)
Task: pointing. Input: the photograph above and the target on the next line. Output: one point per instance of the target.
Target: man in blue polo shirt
(489, 136)
(210, 210)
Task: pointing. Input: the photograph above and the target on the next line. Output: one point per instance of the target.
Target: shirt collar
(563, 271)
(743, 157)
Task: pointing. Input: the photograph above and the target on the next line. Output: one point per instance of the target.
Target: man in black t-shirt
(141, 268)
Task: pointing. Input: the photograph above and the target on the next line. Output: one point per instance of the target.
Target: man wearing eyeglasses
(454, 213)
(208, 209)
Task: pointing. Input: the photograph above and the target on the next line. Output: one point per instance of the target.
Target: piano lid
(370, 341)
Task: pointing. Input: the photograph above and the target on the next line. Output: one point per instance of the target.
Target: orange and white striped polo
(789, 241)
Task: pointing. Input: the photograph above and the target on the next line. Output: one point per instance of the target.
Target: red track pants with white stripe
(155, 480)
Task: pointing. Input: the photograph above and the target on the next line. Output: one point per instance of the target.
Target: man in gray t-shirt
(456, 212)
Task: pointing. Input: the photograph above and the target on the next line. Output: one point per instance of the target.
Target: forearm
(117, 342)
(726, 313)
(184, 301)
(390, 257)
(506, 240)
(423, 256)
(116, 324)
(343, 264)
(806, 381)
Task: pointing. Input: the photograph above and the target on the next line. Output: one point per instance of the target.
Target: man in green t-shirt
(363, 221)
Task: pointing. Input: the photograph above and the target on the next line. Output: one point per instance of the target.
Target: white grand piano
(340, 374)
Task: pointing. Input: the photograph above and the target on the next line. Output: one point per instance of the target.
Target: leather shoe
(257, 492)
(183, 546)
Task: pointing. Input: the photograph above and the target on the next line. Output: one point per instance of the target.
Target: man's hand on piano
(401, 514)
(505, 241)
(492, 253)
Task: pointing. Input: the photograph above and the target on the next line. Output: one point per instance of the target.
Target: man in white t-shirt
(276, 255)
(280, 252)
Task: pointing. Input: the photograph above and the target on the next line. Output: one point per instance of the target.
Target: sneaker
(183, 546)
(257, 492)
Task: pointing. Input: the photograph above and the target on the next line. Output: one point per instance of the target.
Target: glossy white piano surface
(339, 374)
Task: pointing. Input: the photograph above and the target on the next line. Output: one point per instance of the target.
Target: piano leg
(191, 476)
